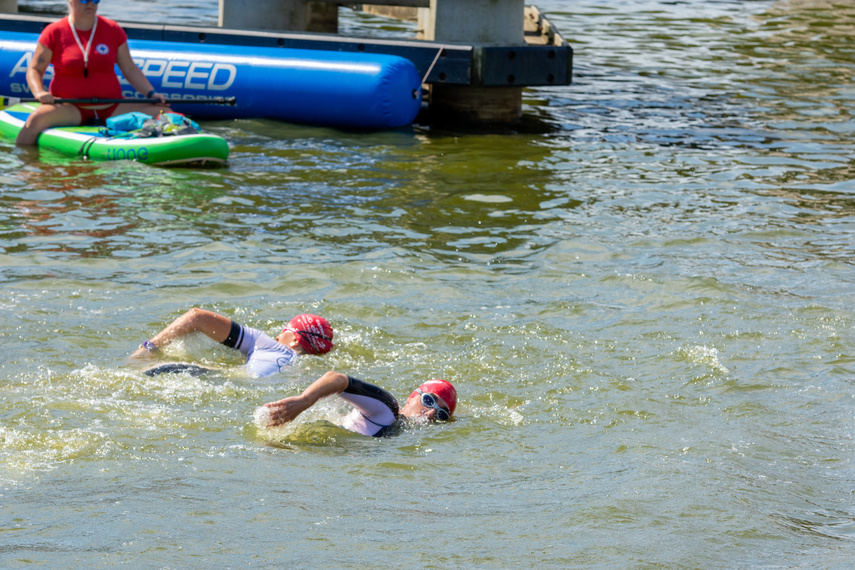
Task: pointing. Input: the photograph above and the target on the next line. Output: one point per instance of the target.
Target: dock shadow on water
(644, 307)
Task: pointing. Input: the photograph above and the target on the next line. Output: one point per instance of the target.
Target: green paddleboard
(89, 142)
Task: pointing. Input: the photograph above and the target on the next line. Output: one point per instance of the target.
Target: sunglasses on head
(429, 401)
(88, 1)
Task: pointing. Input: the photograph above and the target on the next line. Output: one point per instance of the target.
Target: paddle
(98, 101)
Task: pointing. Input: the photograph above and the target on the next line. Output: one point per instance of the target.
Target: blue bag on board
(125, 122)
(142, 125)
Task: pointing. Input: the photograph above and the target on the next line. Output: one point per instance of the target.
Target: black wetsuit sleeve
(359, 387)
(235, 336)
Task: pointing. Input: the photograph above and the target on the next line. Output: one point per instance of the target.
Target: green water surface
(643, 296)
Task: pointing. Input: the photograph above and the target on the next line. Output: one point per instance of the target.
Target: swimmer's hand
(286, 410)
(139, 353)
(146, 350)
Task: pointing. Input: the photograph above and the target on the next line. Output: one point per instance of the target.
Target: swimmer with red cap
(375, 411)
(304, 334)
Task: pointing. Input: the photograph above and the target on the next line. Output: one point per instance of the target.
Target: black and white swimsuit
(264, 355)
(375, 409)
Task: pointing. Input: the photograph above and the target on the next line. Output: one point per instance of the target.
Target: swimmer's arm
(287, 409)
(214, 326)
(36, 73)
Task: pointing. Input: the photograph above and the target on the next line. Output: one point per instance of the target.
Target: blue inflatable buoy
(336, 89)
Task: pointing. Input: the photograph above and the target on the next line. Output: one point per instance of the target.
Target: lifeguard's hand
(161, 98)
(45, 98)
(286, 410)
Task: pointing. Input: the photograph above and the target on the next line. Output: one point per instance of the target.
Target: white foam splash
(261, 417)
(705, 355)
(488, 198)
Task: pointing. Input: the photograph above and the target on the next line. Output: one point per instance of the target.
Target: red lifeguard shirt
(68, 79)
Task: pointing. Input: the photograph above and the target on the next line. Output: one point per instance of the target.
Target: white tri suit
(264, 355)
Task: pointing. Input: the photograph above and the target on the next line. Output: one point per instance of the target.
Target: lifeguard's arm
(216, 327)
(134, 74)
(287, 409)
(36, 74)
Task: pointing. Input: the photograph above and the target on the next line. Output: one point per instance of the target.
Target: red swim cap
(442, 389)
(314, 333)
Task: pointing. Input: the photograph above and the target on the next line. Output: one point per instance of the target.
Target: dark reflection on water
(71, 207)
(443, 195)
(654, 112)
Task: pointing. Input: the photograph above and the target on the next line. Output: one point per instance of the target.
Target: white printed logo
(102, 49)
(201, 75)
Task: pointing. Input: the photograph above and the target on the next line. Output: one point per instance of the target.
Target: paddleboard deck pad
(92, 142)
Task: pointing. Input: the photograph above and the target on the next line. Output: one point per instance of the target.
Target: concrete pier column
(395, 12)
(9, 6)
(491, 22)
(280, 15)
